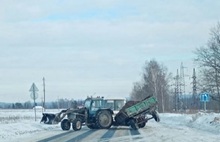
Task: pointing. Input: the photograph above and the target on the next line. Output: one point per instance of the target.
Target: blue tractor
(97, 115)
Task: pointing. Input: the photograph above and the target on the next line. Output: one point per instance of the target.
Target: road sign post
(204, 98)
(34, 96)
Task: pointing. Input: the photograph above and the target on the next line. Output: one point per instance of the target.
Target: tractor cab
(94, 104)
(97, 114)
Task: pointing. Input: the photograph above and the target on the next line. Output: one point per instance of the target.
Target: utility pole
(177, 91)
(183, 86)
(195, 103)
(44, 93)
(182, 78)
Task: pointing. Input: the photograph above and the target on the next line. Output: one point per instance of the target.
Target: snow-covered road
(172, 128)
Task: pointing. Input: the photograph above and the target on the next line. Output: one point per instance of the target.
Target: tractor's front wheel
(104, 119)
(77, 124)
(65, 125)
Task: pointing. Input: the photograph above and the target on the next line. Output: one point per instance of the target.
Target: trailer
(134, 113)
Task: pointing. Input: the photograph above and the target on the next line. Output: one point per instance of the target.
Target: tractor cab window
(96, 104)
(87, 103)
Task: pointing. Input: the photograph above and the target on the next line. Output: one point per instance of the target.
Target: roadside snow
(199, 121)
(23, 128)
(21, 123)
(203, 121)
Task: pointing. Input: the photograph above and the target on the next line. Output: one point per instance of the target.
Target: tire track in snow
(55, 137)
(135, 134)
(82, 136)
(122, 131)
(64, 136)
(103, 135)
(109, 134)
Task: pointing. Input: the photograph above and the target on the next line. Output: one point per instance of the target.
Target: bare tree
(153, 83)
(208, 59)
(137, 92)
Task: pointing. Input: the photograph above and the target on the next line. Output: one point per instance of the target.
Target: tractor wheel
(65, 125)
(156, 116)
(77, 124)
(142, 125)
(141, 122)
(104, 119)
(133, 124)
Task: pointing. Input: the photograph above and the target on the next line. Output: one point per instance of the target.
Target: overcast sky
(86, 47)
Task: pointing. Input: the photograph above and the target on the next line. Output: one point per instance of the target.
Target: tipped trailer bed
(134, 113)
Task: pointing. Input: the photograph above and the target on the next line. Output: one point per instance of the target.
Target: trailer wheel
(77, 124)
(104, 119)
(156, 116)
(141, 122)
(133, 124)
(65, 125)
(142, 125)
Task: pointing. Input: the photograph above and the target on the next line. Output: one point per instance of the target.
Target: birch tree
(153, 83)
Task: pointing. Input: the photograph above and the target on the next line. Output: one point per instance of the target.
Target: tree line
(59, 104)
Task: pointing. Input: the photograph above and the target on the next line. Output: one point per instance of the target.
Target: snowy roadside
(182, 128)
(22, 129)
(18, 124)
(199, 121)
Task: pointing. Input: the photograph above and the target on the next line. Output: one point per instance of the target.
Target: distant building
(38, 107)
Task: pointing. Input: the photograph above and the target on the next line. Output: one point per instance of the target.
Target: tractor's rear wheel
(65, 125)
(77, 124)
(104, 119)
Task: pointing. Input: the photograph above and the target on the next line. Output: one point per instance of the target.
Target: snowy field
(17, 125)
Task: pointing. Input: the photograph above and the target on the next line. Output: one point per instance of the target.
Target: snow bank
(20, 123)
(23, 128)
(199, 121)
(203, 121)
